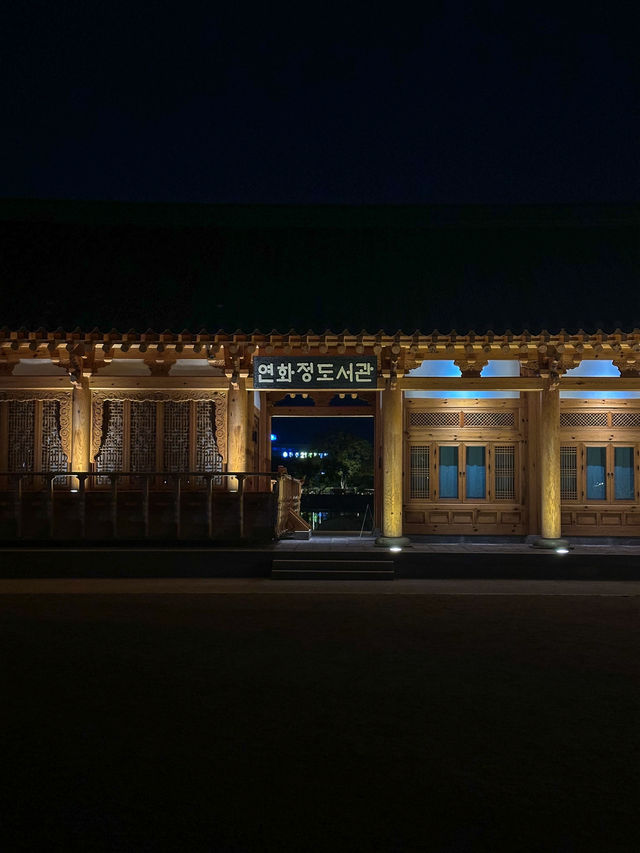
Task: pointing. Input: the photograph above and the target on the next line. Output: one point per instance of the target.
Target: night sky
(467, 103)
(239, 122)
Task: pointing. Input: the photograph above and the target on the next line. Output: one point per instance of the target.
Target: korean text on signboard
(339, 372)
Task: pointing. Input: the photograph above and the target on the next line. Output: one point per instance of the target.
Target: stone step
(329, 569)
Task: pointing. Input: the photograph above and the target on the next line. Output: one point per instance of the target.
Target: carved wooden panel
(218, 398)
(64, 410)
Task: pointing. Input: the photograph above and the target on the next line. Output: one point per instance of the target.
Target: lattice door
(110, 457)
(53, 457)
(208, 456)
(176, 436)
(22, 421)
(143, 436)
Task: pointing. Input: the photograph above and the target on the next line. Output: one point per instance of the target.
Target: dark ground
(240, 722)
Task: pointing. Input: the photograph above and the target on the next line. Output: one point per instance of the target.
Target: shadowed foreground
(296, 721)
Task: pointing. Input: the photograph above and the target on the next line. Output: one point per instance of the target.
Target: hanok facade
(168, 434)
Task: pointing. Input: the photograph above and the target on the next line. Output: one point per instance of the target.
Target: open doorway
(334, 456)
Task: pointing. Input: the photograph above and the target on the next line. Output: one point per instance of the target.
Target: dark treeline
(175, 267)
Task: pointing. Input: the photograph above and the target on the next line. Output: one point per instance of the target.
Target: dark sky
(469, 103)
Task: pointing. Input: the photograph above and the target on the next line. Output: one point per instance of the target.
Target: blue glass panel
(476, 473)
(448, 472)
(623, 473)
(596, 473)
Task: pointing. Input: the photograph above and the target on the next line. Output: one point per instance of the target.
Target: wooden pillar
(532, 473)
(81, 428)
(549, 455)
(4, 435)
(237, 418)
(392, 435)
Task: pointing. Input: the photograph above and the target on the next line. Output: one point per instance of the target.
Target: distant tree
(350, 460)
(349, 464)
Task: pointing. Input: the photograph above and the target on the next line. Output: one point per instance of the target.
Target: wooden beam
(322, 411)
(599, 383)
(476, 383)
(159, 383)
(35, 383)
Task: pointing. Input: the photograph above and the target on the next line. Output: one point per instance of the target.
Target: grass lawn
(336, 722)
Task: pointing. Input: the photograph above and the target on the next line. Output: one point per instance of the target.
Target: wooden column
(532, 473)
(81, 428)
(392, 434)
(4, 439)
(549, 456)
(237, 432)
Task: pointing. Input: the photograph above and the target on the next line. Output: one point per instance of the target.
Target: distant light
(284, 454)
(395, 548)
(562, 550)
(274, 437)
(73, 491)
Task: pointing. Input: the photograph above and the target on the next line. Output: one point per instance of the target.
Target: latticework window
(583, 419)
(625, 419)
(176, 436)
(53, 457)
(420, 472)
(143, 436)
(22, 419)
(504, 459)
(110, 457)
(208, 456)
(568, 473)
(434, 419)
(489, 419)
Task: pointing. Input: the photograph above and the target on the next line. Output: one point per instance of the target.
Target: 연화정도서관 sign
(312, 372)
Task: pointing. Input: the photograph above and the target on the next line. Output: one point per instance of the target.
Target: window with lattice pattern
(583, 419)
(505, 472)
(568, 473)
(434, 419)
(489, 419)
(625, 419)
(420, 472)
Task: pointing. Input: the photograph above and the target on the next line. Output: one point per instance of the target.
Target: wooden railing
(289, 495)
(150, 505)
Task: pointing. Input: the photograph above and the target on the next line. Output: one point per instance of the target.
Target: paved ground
(367, 544)
(402, 716)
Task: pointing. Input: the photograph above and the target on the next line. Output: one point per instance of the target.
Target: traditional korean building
(477, 433)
